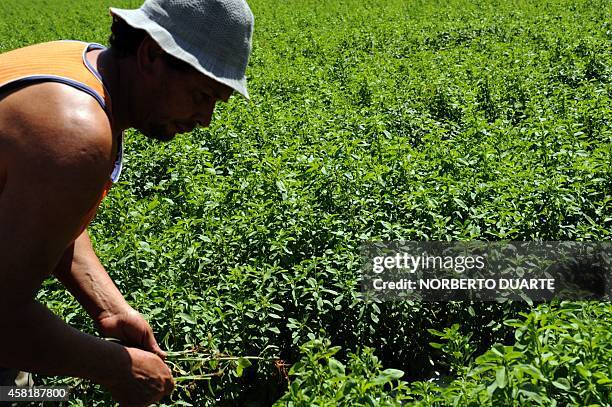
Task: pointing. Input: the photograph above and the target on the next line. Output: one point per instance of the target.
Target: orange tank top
(63, 62)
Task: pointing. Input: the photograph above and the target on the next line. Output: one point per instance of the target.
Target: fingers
(151, 344)
(159, 352)
(170, 386)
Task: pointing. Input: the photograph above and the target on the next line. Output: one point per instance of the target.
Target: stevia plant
(370, 121)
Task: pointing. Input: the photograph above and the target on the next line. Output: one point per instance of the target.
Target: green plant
(369, 121)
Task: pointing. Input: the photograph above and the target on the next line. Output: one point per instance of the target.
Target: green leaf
(277, 307)
(491, 388)
(515, 323)
(561, 386)
(336, 368)
(500, 377)
(435, 332)
(187, 318)
(241, 363)
(584, 372)
(388, 375)
(533, 372)
(498, 349)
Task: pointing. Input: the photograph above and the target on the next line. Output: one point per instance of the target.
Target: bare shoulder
(56, 150)
(56, 123)
(56, 153)
(55, 147)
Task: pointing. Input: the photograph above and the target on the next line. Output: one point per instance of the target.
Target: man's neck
(114, 77)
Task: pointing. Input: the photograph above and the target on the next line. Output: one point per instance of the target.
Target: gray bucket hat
(213, 36)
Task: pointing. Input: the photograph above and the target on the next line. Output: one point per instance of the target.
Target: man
(63, 108)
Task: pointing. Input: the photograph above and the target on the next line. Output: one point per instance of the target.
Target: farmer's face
(177, 100)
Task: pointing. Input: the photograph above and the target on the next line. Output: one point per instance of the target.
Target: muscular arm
(57, 153)
(53, 178)
(83, 275)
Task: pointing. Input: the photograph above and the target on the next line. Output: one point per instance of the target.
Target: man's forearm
(35, 340)
(83, 275)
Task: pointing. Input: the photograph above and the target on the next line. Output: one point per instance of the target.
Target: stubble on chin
(158, 132)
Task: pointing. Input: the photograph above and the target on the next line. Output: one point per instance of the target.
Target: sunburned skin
(57, 150)
(4, 142)
(56, 153)
(2, 180)
(2, 163)
(52, 128)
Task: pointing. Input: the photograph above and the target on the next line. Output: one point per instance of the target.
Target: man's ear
(147, 55)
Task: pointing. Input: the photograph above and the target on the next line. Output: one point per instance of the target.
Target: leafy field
(373, 120)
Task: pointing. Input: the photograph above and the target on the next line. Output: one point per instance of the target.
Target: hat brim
(172, 45)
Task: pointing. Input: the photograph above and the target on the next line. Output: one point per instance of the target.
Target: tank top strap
(63, 62)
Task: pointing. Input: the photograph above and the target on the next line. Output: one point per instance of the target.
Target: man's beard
(159, 132)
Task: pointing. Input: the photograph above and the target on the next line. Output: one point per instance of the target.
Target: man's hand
(130, 328)
(144, 380)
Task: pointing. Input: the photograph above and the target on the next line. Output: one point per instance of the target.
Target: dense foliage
(561, 357)
(375, 120)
